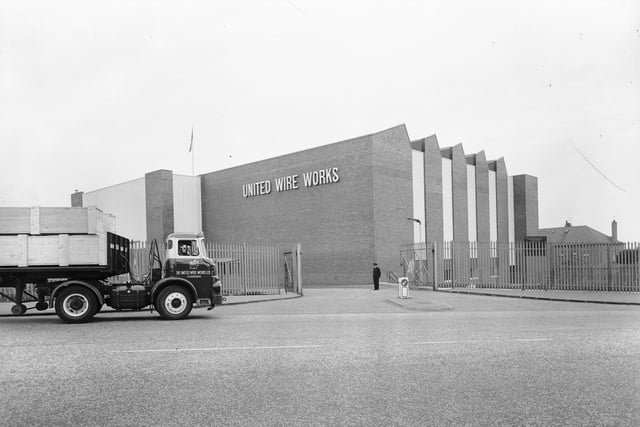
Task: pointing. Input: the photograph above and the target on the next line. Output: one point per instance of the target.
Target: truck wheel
(76, 304)
(174, 302)
(18, 310)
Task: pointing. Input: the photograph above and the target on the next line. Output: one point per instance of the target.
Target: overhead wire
(596, 168)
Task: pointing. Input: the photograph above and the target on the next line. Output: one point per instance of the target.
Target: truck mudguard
(173, 281)
(88, 285)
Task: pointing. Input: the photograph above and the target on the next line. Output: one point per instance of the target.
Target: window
(188, 248)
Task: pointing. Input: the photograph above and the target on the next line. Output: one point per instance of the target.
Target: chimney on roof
(614, 230)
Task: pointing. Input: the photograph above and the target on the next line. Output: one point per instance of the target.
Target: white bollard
(403, 287)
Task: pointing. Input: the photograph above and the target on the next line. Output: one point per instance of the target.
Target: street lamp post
(419, 227)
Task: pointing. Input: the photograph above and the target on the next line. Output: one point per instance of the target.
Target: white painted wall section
(512, 221)
(126, 202)
(187, 203)
(493, 212)
(471, 203)
(447, 199)
(417, 158)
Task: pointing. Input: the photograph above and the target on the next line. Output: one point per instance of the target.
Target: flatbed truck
(186, 279)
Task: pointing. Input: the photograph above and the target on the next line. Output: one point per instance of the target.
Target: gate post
(608, 267)
(454, 264)
(299, 267)
(435, 268)
(243, 277)
(552, 264)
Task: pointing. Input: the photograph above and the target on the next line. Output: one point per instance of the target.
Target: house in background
(582, 255)
(578, 234)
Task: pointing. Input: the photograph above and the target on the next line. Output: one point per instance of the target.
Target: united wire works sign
(292, 182)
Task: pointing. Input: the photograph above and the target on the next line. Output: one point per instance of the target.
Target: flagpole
(192, 149)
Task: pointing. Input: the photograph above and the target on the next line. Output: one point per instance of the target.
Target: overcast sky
(98, 93)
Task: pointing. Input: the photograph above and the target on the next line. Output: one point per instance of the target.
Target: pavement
(416, 299)
(603, 297)
(245, 299)
(425, 299)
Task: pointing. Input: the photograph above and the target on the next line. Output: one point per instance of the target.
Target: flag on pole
(191, 144)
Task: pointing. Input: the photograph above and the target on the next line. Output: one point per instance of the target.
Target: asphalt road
(333, 357)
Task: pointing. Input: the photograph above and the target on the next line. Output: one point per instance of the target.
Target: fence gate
(289, 272)
(291, 268)
(415, 265)
(253, 269)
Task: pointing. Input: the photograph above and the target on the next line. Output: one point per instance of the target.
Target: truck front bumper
(216, 293)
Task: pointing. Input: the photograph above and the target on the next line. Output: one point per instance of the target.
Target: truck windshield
(188, 248)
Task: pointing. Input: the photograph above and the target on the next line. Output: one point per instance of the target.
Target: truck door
(191, 265)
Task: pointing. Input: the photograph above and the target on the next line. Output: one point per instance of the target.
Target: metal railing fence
(524, 265)
(247, 269)
(244, 269)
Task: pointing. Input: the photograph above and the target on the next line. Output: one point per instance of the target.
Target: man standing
(376, 277)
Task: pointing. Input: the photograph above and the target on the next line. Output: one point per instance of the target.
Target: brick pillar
(433, 189)
(433, 199)
(502, 200)
(482, 217)
(502, 211)
(525, 206)
(460, 197)
(159, 204)
(460, 215)
(482, 197)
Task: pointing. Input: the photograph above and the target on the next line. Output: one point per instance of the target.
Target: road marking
(168, 350)
(284, 347)
(445, 342)
(480, 341)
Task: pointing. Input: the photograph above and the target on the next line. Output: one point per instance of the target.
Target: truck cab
(187, 265)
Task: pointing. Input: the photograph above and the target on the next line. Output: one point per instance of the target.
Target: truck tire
(76, 304)
(174, 302)
(18, 310)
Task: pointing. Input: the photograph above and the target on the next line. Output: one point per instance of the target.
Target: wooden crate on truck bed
(39, 236)
(44, 220)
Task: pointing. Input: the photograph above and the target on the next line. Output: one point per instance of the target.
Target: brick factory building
(349, 204)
